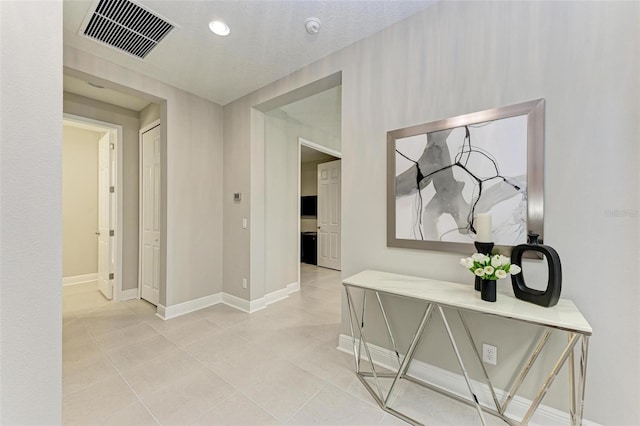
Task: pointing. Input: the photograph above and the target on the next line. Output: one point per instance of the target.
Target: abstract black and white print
(445, 178)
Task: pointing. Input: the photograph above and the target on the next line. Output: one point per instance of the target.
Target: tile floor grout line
(140, 400)
(119, 348)
(238, 390)
(301, 407)
(117, 370)
(93, 383)
(115, 367)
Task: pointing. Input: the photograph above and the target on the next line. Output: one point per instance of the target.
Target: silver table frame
(359, 342)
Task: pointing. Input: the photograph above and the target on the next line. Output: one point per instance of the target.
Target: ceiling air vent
(127, 27)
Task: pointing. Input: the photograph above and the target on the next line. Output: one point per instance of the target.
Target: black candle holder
(483, 248)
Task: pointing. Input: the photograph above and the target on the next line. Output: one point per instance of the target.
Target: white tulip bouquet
(489, 267)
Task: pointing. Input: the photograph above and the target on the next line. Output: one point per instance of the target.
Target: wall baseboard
(293, 287)
(168, 312)
(79, 279)
(132, 293)
(277, 295)
(242, 304)
(259, 304)
(455, 383)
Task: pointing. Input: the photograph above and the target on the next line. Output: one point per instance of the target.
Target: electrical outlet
(489, 354)
(244, 283)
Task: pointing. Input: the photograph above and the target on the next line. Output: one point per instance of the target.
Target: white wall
(191, 180)
(79, 201)
(30, 212)
(461, 57)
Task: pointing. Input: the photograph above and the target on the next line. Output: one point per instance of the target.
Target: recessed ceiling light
(219, 28)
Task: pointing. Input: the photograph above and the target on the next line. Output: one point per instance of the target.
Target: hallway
(123, 365)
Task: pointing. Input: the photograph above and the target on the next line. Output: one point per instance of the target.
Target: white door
(150, 253)
(105, 258)
(329, 205)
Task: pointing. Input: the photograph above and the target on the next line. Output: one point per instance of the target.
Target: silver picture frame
(441, 174)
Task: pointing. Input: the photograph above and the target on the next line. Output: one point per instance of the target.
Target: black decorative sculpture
(548, 297)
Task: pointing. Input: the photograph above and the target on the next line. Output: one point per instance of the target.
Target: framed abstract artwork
(440, 175)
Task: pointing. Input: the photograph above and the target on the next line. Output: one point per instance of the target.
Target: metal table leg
(379, 396)
(582, 378)
(464, 370)
(572, 387)
(484, 370)
(356, 352)
(525, 370)
(552, 375)
(412, 348)
(386, 322)
(363, 341)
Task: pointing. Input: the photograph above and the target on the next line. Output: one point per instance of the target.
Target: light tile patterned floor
(122, 365)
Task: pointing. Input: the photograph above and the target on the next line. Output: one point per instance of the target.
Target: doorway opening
(92, 204)
(311, 114)
(319, 190)
(110, 104)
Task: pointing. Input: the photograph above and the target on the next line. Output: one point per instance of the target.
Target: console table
(461, 298)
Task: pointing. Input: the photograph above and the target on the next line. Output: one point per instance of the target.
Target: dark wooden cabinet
(308, 248)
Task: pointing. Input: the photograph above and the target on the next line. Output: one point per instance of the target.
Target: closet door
(150, 223)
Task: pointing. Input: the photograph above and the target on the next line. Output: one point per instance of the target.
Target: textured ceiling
(268, 40)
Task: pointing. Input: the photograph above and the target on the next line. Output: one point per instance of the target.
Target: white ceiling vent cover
(127, 27)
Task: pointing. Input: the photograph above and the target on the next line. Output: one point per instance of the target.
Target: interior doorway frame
(117, 239)
(257, 217)
(321, 148)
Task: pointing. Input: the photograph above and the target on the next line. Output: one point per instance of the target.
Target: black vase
(549, 296)
(488, 291)
(483, 248)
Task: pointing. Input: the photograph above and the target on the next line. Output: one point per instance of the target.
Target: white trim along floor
(220, 366)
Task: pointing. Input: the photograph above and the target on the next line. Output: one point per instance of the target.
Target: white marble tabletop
(564, 315)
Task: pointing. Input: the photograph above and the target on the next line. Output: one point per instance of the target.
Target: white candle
(483, 228)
